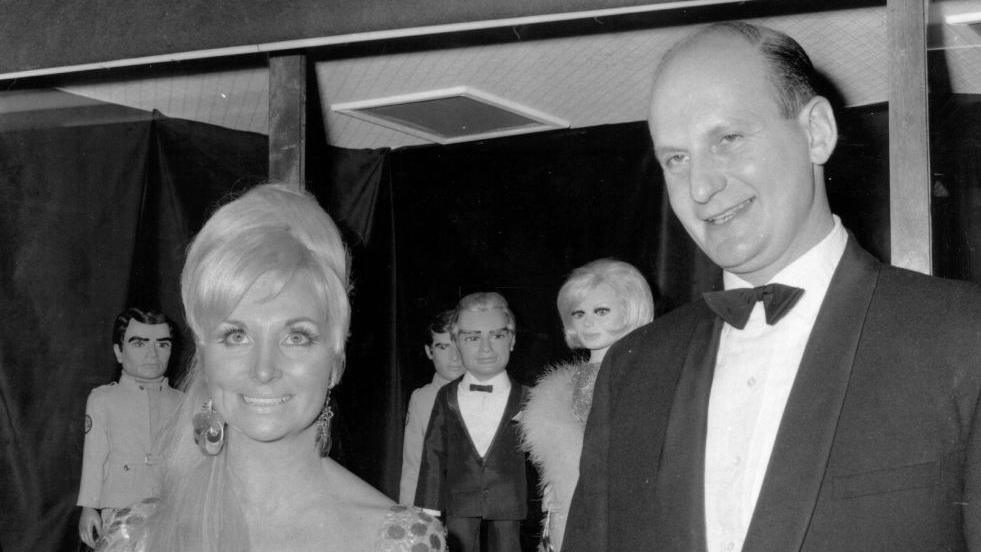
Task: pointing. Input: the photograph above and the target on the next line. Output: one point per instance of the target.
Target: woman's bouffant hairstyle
(627, 283)
(271, 231)
(276, 233)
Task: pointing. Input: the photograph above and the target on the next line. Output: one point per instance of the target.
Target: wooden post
(909, 141)
(287, 119)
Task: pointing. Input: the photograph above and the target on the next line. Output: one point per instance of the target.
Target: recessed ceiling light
(963, 18)
(452, 115)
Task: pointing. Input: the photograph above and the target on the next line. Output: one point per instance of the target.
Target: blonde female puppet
(599, 303)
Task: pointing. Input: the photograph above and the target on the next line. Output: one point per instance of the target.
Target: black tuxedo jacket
(454, 479)
(879, 447)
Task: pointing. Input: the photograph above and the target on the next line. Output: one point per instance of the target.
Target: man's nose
(485, 344)
(454, 354)
(265, 362)
(705, 178)
(152, 351)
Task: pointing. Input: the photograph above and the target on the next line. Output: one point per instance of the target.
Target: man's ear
(118, 352)
(817, 118)
(429, 352)
(514, 339)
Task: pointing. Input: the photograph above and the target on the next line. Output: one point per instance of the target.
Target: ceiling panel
(587, 80)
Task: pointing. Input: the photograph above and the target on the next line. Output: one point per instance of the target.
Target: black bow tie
(484, 388)
(735, 305)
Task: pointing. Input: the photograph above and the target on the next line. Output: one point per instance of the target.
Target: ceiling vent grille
(451, 115)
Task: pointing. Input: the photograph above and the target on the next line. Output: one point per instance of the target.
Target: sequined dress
(552, 427)
(405, 529)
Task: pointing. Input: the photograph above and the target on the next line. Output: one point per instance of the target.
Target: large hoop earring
(323, 440)
(209, 429)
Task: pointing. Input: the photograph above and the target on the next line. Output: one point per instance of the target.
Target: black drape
(67, 235)
(353, 186)
(516, 215)
(92, 218)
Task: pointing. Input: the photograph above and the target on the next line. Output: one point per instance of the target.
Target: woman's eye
(234, 336)
(300, 337)
(602, 311)
(730, 138)
(576, 315)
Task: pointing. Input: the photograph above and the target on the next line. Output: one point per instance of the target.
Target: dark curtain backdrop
(515, 216)
(70, 201)
(95, 216)
(92, 218)
(957, 190)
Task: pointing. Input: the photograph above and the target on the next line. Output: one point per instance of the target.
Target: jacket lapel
(679, 511)
(453, 398)
(797, 465)
(511, 410)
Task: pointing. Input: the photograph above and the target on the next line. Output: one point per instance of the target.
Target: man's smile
(728, 214)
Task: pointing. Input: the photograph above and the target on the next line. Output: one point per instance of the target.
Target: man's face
(485, 342)
(145, 350)
(445, 356)
(740, 176)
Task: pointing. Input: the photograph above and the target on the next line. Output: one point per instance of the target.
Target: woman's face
(598, 318)
(267, 365)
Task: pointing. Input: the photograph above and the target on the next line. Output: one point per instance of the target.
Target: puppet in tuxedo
(825, 402)
(473, 470)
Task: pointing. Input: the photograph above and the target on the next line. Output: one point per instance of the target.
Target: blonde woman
(599, 303)
(246, 468)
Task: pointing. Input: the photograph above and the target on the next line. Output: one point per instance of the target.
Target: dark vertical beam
(909, 142)
(288, 119)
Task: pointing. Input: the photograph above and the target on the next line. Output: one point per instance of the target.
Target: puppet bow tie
(484, 388)
(735, 305)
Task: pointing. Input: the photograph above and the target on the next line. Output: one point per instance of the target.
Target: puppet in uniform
(122, 420)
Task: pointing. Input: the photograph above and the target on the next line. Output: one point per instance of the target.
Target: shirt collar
(501, 382)
(439, 380)
(812, 270)
(133, 383)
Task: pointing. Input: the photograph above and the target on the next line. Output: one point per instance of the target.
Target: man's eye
(577, 314)
(164, 345)
(138, 344)
(676, 161)
(471, 339)
(728, 138)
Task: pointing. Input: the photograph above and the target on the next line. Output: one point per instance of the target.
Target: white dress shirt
(754, 372)
(481, 410)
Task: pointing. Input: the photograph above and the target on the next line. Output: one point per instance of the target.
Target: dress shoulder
(404, 529)
(124, 529)
(409, 529)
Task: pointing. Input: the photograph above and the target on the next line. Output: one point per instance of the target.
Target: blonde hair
(627, 283)
(272, 232)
